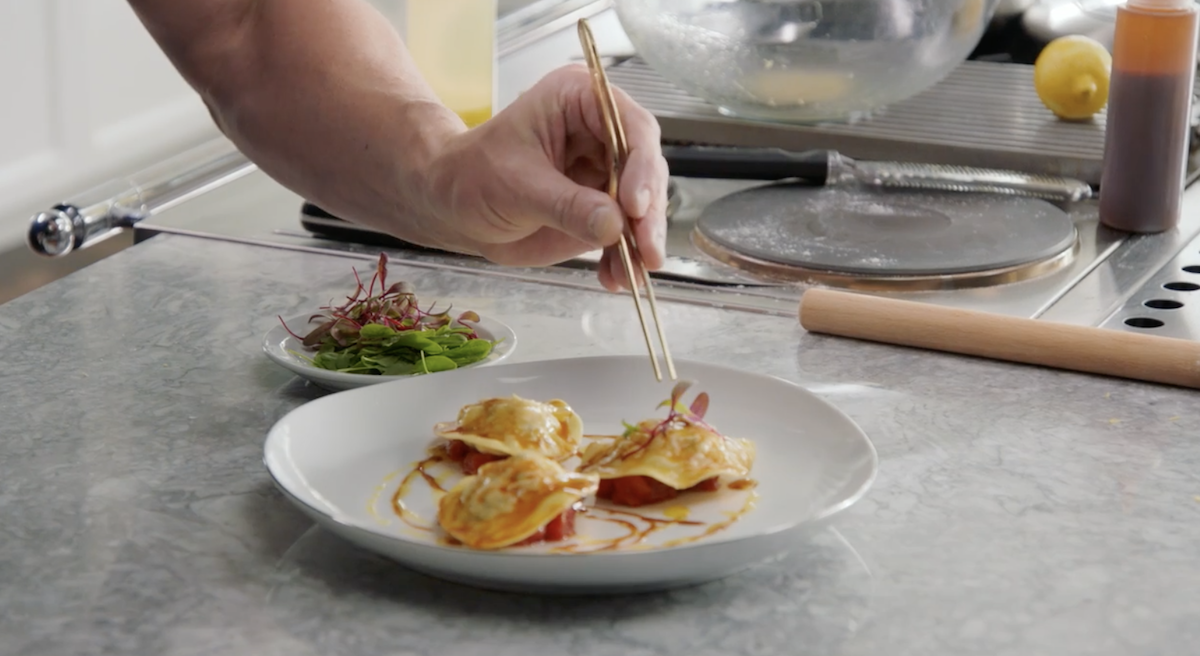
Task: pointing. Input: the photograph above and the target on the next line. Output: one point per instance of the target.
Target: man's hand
(526, 188)
(324, 98)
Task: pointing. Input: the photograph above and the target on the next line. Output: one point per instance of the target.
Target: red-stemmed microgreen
(395, 307)
(678, 416)
(381, 329)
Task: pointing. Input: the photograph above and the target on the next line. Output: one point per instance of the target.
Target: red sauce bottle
(1149, 115)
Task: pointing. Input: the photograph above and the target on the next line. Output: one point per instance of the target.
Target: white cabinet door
(88, 96)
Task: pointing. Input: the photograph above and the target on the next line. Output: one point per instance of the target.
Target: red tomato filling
(637, 491)
(558, 529)
(469, 457)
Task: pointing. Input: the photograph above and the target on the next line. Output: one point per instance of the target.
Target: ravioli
(509, 425)
(514, 501)
(678, 453)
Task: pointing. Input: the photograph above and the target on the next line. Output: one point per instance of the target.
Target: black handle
(324, 225)
(747, 163)
(308, 209)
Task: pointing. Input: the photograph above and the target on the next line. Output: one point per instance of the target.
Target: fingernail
(642, 202)
(604, 224)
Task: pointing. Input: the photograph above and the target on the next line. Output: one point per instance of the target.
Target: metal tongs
(618, 149)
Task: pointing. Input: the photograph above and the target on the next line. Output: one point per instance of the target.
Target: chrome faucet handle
(123, 202)
(52, 233)
(65, 229)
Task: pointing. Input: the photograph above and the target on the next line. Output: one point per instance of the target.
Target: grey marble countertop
(1017, 510)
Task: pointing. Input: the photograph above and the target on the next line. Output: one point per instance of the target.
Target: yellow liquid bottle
(453, 43)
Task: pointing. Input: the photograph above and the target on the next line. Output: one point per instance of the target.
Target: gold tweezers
(618, 149)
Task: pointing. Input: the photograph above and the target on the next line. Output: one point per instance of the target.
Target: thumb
(584, 213)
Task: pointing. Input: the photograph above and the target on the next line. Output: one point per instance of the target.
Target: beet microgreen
(678, 416)
(382, 330)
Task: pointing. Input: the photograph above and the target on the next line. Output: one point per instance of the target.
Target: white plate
(341, 458)
(281, 348)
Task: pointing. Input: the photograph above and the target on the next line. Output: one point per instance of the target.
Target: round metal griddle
(876, 239)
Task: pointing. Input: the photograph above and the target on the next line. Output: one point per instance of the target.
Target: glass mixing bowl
(804, 60)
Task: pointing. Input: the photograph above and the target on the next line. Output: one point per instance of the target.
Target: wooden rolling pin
(969, 332)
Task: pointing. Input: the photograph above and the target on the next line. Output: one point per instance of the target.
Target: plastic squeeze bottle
(1149, 115)
(453, 43)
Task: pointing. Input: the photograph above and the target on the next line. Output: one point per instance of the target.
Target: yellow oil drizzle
(713, 529)
(677, 512)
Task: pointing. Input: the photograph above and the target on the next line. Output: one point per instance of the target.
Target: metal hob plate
(802, 232)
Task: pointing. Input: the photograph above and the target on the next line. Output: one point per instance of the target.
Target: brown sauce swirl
(634, 535)
(636, 526)
(715, 527)
(418, 471)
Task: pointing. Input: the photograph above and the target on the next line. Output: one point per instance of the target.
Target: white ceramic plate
(341, 459)
(281, 348)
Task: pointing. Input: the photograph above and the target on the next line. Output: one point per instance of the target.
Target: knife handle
(1085, 349)
(747, 163)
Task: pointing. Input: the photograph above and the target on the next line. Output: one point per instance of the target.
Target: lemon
(1071, 76)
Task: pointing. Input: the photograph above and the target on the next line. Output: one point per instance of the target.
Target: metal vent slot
(1169, 303)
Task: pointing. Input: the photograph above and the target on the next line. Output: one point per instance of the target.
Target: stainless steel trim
(1168, 303)
(674, 267)
(539, 20)
(1117, 280)
(22, 271)
(121, 203)
(705, 295)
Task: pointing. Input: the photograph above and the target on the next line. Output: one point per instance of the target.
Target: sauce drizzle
(635, 535)
(407, 516)
(717, 527)
(635, 527)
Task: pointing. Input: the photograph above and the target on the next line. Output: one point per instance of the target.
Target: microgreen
(678, 416)
(382, 330)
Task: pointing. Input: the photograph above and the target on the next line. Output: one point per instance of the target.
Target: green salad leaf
(382, 331)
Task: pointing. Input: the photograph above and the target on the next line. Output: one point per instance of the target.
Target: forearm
(321, 94)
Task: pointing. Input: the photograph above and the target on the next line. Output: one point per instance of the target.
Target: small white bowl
(281, 348)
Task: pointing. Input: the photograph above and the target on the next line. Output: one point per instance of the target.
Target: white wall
(87, 96)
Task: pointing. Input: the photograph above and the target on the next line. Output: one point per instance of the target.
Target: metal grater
(984, 114)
